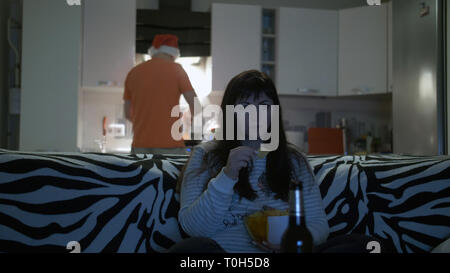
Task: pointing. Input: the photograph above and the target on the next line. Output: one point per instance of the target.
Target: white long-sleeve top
(218, 213)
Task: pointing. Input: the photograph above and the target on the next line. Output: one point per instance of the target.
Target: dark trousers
(353, 243)
(197, 245)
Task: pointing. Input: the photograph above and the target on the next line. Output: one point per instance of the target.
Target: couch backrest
(401, 200)
(106, 203)
(118, 203)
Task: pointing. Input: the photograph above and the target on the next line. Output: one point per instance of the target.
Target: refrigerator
(419, 77)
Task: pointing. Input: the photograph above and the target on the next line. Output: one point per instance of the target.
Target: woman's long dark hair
(278, 166)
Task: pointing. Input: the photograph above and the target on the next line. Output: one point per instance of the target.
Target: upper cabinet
(109, 42)
(307, 52)
(235, 41)
(363, 50)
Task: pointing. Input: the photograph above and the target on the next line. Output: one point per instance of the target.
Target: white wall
(51, 57)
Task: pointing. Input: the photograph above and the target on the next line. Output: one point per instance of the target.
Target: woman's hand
(268, 247)
(239, 158)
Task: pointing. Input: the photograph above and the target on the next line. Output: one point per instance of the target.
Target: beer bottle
(296, 238)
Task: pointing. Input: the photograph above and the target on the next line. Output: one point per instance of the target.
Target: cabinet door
(109, 42)
(307, 52)
(236, 41)
(363, 50)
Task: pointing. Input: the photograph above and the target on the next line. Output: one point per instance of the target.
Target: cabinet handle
(107, 83)
(307, 91)
(361, 90)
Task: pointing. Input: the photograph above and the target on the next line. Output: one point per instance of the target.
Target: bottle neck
(296, 208)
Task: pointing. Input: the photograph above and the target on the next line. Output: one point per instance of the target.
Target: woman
(225, 180)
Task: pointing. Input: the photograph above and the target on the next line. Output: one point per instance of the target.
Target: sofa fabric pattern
(403, 201)
(106, 203)
(128, 203)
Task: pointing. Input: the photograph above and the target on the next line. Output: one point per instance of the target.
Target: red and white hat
(165, 43)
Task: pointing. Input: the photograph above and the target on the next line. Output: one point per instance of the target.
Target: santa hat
(165, 43)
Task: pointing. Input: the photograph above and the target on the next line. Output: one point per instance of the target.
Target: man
(152, 89)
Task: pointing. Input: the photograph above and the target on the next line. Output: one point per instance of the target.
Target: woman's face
(262, 99)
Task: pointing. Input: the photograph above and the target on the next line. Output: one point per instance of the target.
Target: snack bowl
(257, 224)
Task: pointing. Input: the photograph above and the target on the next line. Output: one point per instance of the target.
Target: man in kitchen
(152, 89)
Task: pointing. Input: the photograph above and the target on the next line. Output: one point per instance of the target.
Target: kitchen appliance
(325, 141)
(419, 91)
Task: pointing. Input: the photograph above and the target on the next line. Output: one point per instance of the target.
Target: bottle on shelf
(102, 143)
(297, 238)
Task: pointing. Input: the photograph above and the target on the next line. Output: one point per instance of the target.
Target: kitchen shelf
(268, 61)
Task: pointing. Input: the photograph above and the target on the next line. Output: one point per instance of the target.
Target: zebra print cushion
(403, 201)
(107, 203)
(127, 203)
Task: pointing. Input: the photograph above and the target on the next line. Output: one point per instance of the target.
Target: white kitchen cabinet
(50, 79)
(109, 42)
(307, 52)
(235, 41)
(363, 50)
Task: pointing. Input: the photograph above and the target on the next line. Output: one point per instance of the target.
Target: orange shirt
(154, 88)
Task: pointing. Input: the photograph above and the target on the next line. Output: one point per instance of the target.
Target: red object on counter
(104, 126)
(325, 141)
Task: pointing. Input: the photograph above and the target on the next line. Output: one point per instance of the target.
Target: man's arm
(190, 97)
(127, 109)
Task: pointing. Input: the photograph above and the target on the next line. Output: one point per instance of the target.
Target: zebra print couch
(127, 203)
